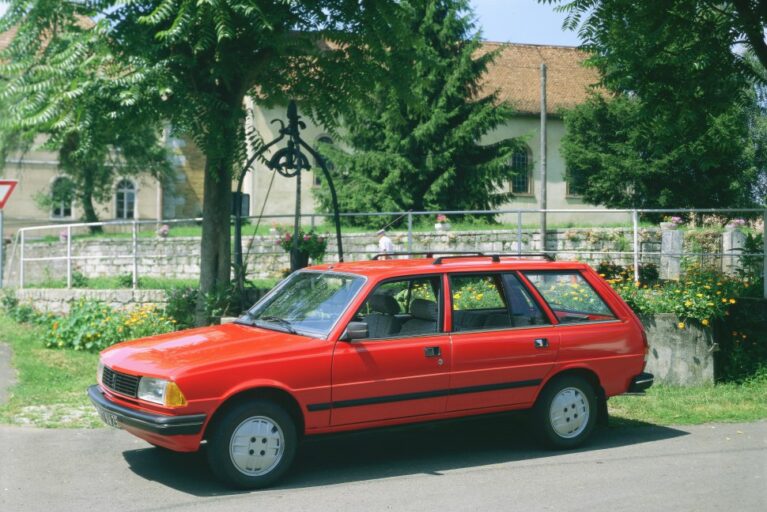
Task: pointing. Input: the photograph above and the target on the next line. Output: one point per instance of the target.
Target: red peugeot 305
(357, 345)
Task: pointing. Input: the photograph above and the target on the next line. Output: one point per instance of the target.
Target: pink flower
(441, 218)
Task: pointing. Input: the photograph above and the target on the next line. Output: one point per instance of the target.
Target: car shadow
(383, 453)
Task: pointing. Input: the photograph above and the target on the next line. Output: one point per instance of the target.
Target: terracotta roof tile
(516, 75)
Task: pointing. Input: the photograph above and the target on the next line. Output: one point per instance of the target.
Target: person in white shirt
(385, 244)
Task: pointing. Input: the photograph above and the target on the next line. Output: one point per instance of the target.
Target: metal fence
(517, 224)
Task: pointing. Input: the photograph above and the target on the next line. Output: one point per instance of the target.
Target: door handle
(541, 342)
(432, 352)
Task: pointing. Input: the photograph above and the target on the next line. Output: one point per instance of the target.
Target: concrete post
(672, 243)
(733, 241)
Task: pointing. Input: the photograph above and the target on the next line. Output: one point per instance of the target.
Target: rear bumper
(641, 382)
(116, 415)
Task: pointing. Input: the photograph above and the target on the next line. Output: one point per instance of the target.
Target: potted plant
(735, 224)
(310, 245)
(671, 223)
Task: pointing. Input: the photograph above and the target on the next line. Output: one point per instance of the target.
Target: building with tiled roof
(515, 74)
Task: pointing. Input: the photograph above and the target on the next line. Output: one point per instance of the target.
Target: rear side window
(570, 297)
(492, 301)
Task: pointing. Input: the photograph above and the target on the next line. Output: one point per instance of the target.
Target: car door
(503, 343)
(401, 369)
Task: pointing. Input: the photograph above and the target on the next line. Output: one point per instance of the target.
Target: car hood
(173, 354)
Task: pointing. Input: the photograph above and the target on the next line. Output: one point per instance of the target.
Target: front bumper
(641, 382)
(118, 416)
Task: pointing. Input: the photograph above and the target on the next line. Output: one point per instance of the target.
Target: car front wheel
(566, 412)
(252, 445)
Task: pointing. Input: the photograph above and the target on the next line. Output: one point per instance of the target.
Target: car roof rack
(427, 254)
(496, 257)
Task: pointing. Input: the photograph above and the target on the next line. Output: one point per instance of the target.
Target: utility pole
(543, 200)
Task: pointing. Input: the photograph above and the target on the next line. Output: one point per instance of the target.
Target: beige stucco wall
(281, 198)
(36, 172)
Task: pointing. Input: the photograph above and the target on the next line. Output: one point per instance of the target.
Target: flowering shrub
(92, 326)
(310, 243)
(702, 295)
(476, 293)
(441, 218)
(674, 220)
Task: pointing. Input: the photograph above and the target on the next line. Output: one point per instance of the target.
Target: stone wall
(679, 357)
(58, 301)
(179, 257)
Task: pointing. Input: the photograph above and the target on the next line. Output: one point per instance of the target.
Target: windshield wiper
(280, 321)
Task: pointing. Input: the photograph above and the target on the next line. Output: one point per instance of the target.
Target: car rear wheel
(566, 412)
(252, 445)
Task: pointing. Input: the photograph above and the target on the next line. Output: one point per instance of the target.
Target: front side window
(405, 307)
(125, 199)
(569, 295)
(307, 303)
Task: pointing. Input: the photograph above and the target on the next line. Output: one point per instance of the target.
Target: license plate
(109, 418)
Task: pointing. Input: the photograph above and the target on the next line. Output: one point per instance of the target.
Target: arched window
(317, 170)
(521, 183)
(62, 192)
(125, 200)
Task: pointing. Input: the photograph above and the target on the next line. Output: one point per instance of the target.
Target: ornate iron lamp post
(289, 162)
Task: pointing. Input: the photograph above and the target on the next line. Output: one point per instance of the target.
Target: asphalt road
(490, 464)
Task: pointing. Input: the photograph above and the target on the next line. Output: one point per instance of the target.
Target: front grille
(120, 382)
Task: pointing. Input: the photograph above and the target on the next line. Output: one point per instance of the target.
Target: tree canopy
(194, 61)
(673, 124)
(414, 134)
(67, 87)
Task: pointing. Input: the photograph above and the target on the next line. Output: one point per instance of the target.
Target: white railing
(68, 231)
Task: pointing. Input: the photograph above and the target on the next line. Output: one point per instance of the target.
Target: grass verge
(51, 386)
(51, 391)
(663, 405)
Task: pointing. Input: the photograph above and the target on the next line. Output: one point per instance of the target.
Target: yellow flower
(732, 301)
(479, 296)
(699, 295)
(705, 321)
(688, 303)
(724, 301)
(680, 325)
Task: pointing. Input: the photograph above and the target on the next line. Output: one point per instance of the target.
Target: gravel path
(7, 372)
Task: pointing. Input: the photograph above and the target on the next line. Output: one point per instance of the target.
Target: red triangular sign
(6, 187)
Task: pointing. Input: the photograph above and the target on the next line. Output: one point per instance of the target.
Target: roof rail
(457, 255)
(496, 257)
(527, 255)
(425, 254)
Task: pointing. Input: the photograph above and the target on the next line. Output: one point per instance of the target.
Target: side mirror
(355, 331)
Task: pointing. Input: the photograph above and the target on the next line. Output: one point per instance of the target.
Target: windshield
(307, 303)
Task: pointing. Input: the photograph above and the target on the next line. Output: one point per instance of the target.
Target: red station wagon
(348, 346)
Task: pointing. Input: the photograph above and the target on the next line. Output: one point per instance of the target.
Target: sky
(522, 21)
(515, 21)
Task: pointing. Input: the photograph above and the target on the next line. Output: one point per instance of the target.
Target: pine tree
(415, 136)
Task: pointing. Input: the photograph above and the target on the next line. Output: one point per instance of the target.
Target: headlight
(100, 373)
(160, 391)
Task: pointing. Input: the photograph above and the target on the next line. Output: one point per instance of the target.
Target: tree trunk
(86, 200)
(215, 250)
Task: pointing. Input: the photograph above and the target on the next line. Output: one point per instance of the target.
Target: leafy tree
(414, 134)
(722, 24)
(67, 88)
(194, 61)
(671, 128)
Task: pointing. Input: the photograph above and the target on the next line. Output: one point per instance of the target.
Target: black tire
(565, 428)
(252, 445)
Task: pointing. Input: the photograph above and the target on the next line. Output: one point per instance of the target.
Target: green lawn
(51, 391)
(664, 405)
(51, 388)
